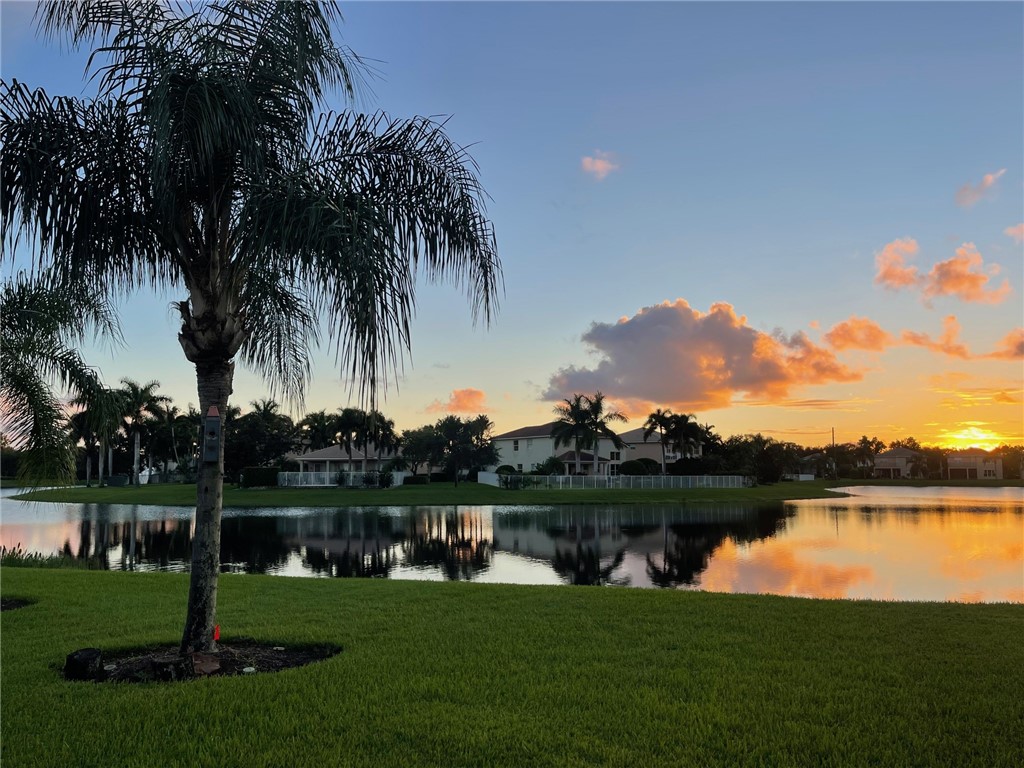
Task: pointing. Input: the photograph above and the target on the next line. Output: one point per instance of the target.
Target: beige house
(526, 447)
(895, 463)
(974, 463)
(334, 458)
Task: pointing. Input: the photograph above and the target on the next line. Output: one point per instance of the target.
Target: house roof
(637, 436)
(898, 453)
(969, 452)
(585, 457)
(540, 430)
(338, 453)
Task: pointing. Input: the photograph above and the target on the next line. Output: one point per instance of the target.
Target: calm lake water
(964, 544)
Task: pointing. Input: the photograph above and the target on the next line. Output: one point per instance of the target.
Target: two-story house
(526, 447)
(974, 463)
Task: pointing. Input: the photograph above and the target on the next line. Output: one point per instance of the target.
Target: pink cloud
(466, 400)
(672, 354)
(969, 195)
(947, 343)
(1016, 232)
(858, 333)
(891, 270)
(600, 165)
(1010, 347)
(963, 276)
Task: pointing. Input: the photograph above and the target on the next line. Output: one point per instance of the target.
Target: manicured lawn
(456, 674)
(433, 494)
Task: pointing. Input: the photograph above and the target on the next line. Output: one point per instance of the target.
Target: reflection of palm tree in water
(449, 545)
(582, 566)
(367, 552)
(350, 564)
(688, 551)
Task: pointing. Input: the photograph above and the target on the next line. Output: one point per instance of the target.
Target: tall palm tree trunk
(577, 446)
(214, 382)
(103, 450)
(88, 467)
(135, 461)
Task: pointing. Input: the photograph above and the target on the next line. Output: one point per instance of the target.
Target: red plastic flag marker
(216, 631)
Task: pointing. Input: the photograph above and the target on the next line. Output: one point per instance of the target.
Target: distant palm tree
(685, 433)
(659, 421)
(318, 428)
(43, 319)
(348, 426)
(140, 401)
(573, 425)
(600, 425)
(103, 411)
(204, 163)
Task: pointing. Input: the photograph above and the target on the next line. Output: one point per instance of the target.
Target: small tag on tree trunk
(216, 632)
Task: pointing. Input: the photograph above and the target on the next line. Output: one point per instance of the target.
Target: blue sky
(760, 155)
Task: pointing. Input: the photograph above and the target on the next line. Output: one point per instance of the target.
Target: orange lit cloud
(600, 165)
(892, 272)
(675, 355)
(1016, 232)
(965, 275)
(962, 276)
(859, 333)
(1010, 347)
(466, 400)
(969, 195)
(947, 343)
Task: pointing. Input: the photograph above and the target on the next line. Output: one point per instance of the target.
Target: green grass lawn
(435, 493)
(457, 674)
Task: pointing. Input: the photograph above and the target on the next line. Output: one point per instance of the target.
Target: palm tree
(43, 319)
(140, 401)
(659, 421)
(204, 164)
(102, 414)
(685, 433)
(382, 434)
(573, 425)
(600, 425)
(348, 426)
(318, 429)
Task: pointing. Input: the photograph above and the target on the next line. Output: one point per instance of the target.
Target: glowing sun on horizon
(972, 437)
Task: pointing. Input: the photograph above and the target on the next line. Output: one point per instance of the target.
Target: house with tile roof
(896, 463)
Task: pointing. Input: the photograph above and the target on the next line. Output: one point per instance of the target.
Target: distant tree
(140, 401)
(866, 451)
(1013, 460)
(420, 446)
(318, 430)
(102, 413)
(659, 421)
(573, 425)
(600, 421)
(908, 443)
(349, 427)
(684, 433)
(466, 443)
(260, 438)
(552, 465)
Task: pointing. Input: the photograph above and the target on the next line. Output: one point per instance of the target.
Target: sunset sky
(783, 218)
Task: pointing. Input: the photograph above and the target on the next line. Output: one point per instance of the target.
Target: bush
(550, 466)
(439, 477)
(507, 469)
(369, 480)
(385, 479)
(415, 480)
(516, 482)
(259, 477)
(653, 467)
(632, 467)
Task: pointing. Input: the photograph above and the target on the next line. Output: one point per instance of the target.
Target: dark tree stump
(170, 668)
(83, 664)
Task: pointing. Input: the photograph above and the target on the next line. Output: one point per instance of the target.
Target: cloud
(466, 400)
(892, 273)
(962, 276)
(1016, 232)
(859, 333)
(965, 275)
(969, 195)
(672, 354)
(947, 343)
(1010, 347)
(600, 165)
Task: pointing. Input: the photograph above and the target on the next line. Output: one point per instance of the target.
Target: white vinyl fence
(330, 479)
(581, 482)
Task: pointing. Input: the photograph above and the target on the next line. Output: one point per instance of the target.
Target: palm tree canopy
(205, 164)
(43, 321)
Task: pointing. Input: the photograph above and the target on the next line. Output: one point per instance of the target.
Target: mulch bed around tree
(149, 665)
(10, 603)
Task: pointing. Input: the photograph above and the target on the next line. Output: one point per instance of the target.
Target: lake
(887, 543)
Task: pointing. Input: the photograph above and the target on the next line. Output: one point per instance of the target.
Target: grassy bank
(452, 674)
(433, 494)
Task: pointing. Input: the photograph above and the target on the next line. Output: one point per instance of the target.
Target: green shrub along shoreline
(450, 494)
(465, 674)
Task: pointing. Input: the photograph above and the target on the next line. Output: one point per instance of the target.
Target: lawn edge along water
(447, 494)
(465, 674)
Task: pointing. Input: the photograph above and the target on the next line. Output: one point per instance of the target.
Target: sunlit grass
(450, 674)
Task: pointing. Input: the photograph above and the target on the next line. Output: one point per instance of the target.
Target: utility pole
(835, 464)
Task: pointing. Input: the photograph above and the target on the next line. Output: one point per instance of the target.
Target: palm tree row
(678, 430)
(351, 428)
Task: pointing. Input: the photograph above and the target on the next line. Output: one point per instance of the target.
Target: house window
(519, 467)
(529, 444)
(990, 473)
(515, 445)
(616, 455)
(613, 469)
